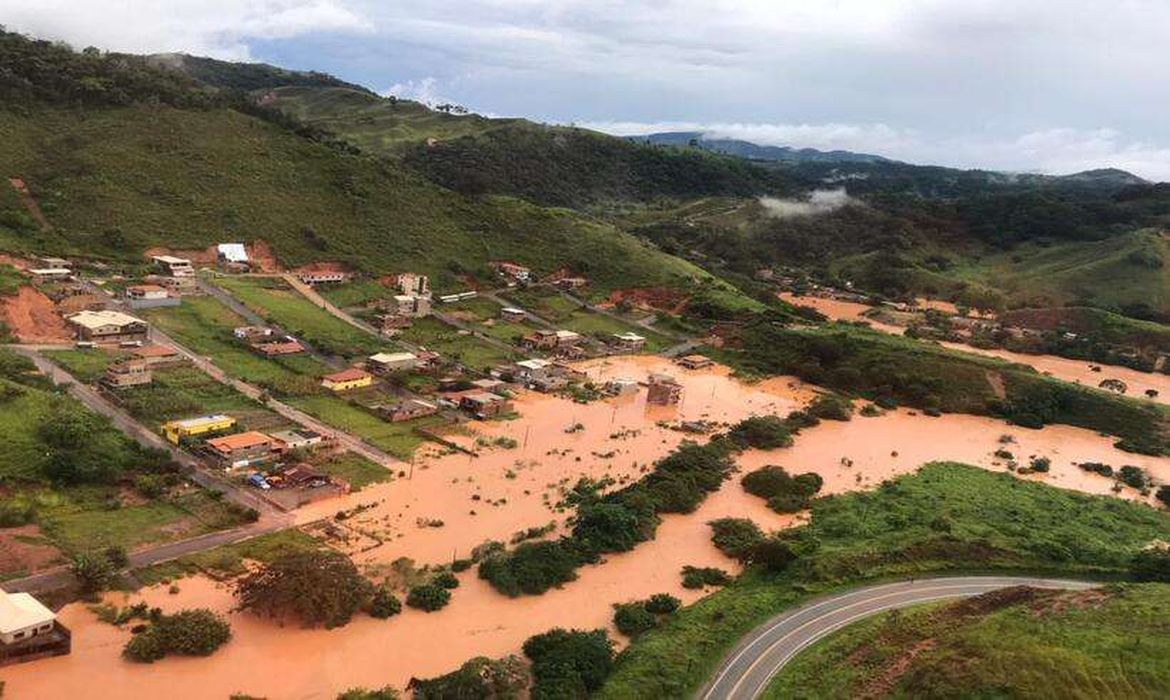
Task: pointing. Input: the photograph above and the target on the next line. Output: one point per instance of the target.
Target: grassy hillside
(916, 524)
(1020, 643)
(115, 181)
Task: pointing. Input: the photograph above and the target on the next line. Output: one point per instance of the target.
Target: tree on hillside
(319, 587)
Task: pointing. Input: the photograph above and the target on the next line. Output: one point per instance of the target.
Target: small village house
(51, 262)
(173, 266)
(663, 390)
(107, 327)
(302, 476)
(149, 296)
(410, 305)
(695, 362)
(407, 410)
(179, 430)
(29, 630)
(485, 405)
(347, 380)
(174, 285)
(233, 257)
(532, 369)
(296, 439)
(489, 384)
(158, 355)
(411, 284)
(388, 362)
(127, 373)
(50, 274)
(513, 314)
(567, 283)
(627, 342)
(543, 339)
(621, 386)
(287, 346)
(241, 449)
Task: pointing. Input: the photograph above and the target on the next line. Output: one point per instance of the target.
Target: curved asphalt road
(745, 673)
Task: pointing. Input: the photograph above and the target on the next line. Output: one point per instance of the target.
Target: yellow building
(176, 430)
(347, 379)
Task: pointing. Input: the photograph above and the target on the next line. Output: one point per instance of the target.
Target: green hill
(186, 167)
(1019, 643)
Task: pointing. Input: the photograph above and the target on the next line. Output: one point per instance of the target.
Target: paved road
(745, 673)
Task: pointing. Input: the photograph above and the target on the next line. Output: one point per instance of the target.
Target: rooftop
(97, 319)
(384, 357)
(628, 336)
(21, 610)
(171, 260)
(201, 420)
(533, 364)
(346, 375)
(233, 252)
(239, 441)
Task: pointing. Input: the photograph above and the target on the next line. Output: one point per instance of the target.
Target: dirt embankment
(262, 257)
(32, 317)
(671, 301)
(260, 254)
(197, 256)
(323, 267)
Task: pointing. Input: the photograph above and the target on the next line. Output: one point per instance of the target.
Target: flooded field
(1076, 371)
(518, 488)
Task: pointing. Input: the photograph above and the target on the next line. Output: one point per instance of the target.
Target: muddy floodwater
(518, 488)
(1076, 371)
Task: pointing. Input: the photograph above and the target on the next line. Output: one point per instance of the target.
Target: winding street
(745, 673)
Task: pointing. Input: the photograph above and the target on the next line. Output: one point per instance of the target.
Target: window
(18, 635)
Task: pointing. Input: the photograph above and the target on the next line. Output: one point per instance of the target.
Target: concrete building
(175, 285)
(512, 314)
(410, 305)
(387, 362)
(149, 296)
(107, 327)
(178, 430)
(173, 266)
(663, 390)
(50, 274)
(158, 355)
(694, 362)
(347, 379)
(29, 630)
(127, 373)
(411, 284)
(407, 410)
(621, 386)
(485, 405)
(242, 449)
(627, 342)
(299, 439)
(233, 256)
(50, 262)
(313, 278)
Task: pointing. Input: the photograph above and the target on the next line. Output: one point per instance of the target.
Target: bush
(1040, 464)
(189, 633)
(608, 527)
(568, 663)
(15, 512)
(785, 493)
(1163, 495)
(1151, 565)
(773, 553)
(831, 407)
(117, 557)
(1133, 476)
(632, 619)
(384, 604)
(736, 537)
(446, 579)
(93, 571)
(532, 568)
(662, 604)
(428, 597)
(761, 432)
(695, 577)
(387, 693)
(480, 677)
(1098, 468)
(320, 587)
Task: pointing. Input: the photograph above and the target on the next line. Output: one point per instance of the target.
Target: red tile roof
(346, 375)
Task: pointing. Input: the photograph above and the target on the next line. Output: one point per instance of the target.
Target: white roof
(385, 357)
(623, 380)
(568, 334)
(201, 420)
(20, 611)
(171, 260)
(404, 297)
(233, 252)
(97, 319)
(533, 364)
(628, 336)
(47, 271)
(512, 310)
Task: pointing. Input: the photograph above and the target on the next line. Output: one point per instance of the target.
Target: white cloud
(817, 202)
(425, 91)
(217, 28)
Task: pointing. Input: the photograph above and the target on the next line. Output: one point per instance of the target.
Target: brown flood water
(1076, 371)
(265, 659)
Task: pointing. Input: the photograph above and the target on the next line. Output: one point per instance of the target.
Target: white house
(23, 617)
(392, 362)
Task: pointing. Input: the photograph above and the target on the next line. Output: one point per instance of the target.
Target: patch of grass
(1048, 644)
(86, 365)
(355, 469)
(918, 524)
(229, 559)
(398, 439)
(275, 300)
(184, 391)
(447, 341)
(205, 326)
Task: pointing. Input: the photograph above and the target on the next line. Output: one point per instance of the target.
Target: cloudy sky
(1037, 85)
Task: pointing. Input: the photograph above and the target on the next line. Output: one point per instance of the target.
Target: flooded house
(485, 405)
(627, 342)
(407, 410)
(29, 630)
(695, 362)
(663, 390)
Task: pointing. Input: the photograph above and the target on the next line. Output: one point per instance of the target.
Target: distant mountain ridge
(754, 151)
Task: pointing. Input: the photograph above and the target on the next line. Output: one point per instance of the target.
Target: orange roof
(346, 375)
(156, 351)
(238, 441)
